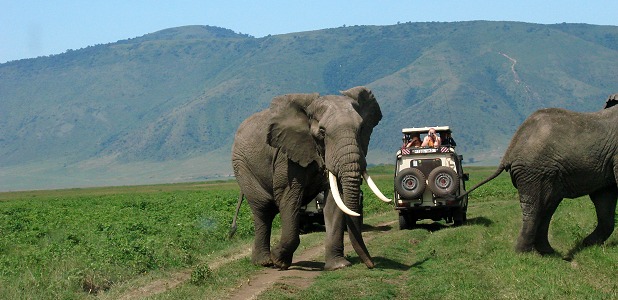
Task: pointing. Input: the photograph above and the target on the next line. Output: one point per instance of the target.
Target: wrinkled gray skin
(280, 158)
(558, 154)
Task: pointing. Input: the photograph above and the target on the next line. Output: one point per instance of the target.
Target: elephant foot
(542, 250)
(281, 265)
(262, 261)
(336, 263)
(545, 250)
(543, 247)
(281, 260)
(595, 239)
(524, 248)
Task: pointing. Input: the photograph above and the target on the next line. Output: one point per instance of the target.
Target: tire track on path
(165, 284)
(307, 265)
(301, 273)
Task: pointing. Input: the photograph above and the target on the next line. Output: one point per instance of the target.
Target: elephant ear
(369, 110)
(611, 101)
(290, 128)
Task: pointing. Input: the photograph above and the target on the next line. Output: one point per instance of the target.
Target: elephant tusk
(374, 188)
(337, 196)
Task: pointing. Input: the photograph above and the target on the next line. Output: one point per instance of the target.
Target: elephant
(556, 154)
(304, 144)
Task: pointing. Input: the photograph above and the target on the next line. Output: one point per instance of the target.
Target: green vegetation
(104, 242)
(475, 261)
(73, 242)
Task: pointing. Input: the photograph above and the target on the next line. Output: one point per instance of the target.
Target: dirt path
(307, 265)
(515, 74)
(304, 269)
(165, 284)
(513, 63)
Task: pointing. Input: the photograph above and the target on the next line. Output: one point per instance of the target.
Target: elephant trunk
(350, 187)
(350, 182)
(348, 164)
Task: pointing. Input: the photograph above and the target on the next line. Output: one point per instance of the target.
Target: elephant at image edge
(558, 154)
(302, 145)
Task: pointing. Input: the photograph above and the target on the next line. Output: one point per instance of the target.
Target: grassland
(101, 243)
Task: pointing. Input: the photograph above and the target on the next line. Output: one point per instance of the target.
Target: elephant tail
(498, 171)
(234, 225)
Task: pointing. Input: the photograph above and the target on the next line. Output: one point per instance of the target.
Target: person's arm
(438, 142)
(425, 142)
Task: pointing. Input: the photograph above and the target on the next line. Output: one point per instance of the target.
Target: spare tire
(410, 184)
(443, 181)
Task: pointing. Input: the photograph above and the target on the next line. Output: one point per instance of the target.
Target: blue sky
(32, 28)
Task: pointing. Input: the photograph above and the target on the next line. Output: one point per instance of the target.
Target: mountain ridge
(144, 105)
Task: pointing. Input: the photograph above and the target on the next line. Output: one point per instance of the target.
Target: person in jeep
(431, 140)
(447, 140)
(415, 141)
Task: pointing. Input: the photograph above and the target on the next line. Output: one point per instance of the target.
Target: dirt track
(307, 265)
(304, 269)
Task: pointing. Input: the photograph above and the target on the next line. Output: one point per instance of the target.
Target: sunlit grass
(70, 242)
(107, 241)
(477, 260)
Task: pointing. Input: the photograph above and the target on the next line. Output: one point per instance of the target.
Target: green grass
(106, 241)
(475, 261)
(69, 242)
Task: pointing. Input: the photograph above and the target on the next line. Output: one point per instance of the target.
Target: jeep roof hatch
(424, 129)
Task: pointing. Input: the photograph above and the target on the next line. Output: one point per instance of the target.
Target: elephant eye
(322, 131)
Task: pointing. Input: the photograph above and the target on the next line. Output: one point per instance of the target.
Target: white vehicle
(313, 213)
(428, 179)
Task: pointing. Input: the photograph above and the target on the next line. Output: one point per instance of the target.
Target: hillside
(164, 107)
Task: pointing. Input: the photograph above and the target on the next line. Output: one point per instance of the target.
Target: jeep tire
(406, 221)
(443, 181)
(410, 184)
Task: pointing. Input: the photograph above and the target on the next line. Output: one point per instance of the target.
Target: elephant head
(332, 132)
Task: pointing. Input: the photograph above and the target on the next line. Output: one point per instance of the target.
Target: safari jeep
(313, 213)
(427, 179)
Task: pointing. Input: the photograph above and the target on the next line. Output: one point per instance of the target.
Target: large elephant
(302, 145)
(558, 154)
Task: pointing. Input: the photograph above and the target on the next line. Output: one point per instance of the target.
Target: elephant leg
(263, 217)
(334, 221)
(605, 205)
(530, 222)
(538, 199)
(290, 232)
(541, 241)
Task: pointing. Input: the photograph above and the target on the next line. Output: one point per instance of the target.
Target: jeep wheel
(460, 217)
(406, 221)
(443, 181)
(410, 184)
